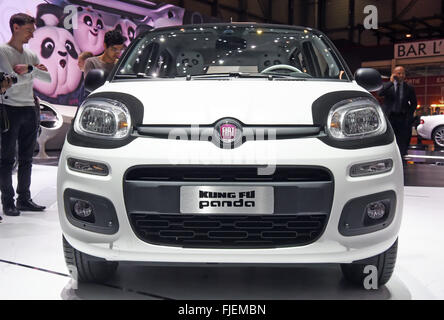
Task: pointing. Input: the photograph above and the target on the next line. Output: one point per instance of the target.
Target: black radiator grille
(228, 231)
(227, 174)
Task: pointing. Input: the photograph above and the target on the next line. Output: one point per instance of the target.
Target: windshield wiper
(220, 75)
(269, 76)
(134, 76)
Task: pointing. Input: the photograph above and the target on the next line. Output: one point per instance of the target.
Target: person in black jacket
(399, 105)
(4, 85)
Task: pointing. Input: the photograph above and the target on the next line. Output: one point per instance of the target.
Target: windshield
(232, 49)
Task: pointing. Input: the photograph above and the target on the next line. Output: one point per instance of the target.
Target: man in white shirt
(19, 104)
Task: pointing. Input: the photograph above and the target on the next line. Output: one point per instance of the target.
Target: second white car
(432, 127)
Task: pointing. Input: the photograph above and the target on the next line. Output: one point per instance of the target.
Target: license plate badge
(226, 200)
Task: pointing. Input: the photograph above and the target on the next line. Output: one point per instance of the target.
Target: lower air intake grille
(228, 231)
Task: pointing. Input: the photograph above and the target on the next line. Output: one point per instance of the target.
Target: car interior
(201, 53)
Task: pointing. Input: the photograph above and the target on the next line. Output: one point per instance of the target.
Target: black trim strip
(252, 132)
(227, 173)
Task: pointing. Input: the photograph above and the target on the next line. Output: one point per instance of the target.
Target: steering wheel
(281, 66)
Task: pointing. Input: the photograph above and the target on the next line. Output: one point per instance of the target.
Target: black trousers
(402, 129)
(23, 128)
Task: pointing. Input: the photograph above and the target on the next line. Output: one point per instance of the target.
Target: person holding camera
(5, 82)
(399, 105)
(19, 104)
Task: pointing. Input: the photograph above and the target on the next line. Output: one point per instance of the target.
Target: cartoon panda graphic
(90, 31)
(127, 28)
(57, 50)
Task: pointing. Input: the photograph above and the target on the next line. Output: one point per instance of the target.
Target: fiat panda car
(230, 144)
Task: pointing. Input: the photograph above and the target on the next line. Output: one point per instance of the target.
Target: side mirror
(94, 79)
(369, 78)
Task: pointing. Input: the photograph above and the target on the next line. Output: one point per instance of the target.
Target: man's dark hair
(114, 37)
(21, 19)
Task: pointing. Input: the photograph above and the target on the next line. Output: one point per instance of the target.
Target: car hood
(251, 101)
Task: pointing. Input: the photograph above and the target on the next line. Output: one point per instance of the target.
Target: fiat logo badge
(228, 131)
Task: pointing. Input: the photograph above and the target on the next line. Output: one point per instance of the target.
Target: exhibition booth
(223, 160)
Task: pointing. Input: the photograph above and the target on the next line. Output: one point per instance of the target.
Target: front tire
(86, 268)
(384, 263)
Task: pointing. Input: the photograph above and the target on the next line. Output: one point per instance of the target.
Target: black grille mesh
(228, 231)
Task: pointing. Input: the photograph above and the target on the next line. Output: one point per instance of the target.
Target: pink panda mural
(90, 31)
(58, 51)
(128, 30)
(58, 44)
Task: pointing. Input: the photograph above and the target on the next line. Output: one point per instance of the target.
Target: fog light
(376, 210)
(89, 167)
(371, 168)
(83, 209)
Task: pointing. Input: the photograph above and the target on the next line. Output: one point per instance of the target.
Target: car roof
(234, 24)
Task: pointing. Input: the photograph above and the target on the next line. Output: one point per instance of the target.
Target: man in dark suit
(399, 105)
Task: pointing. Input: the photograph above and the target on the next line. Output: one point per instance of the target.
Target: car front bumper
(424, 132)
(331, 247)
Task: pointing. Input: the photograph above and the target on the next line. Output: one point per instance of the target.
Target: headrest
(269, 59)
(189, 62)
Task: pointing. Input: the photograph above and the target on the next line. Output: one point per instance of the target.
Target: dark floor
(424, 175)
(425, 166)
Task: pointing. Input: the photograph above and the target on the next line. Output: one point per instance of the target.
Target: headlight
(356, 118)
(103, 118)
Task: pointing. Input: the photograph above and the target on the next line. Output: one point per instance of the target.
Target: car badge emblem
(228, 132)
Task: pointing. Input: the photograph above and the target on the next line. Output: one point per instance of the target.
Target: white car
(230, 144)
(432, 127)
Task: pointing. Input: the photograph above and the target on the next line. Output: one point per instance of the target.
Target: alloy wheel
(439, 137)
